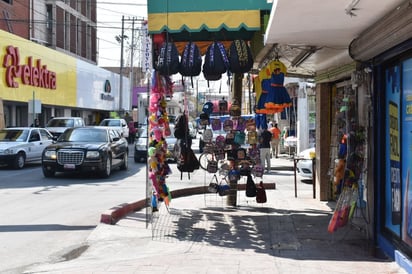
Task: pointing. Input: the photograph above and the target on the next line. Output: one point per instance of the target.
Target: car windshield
(83, 135)
(110, 123)
(13, 135)
(61, 123)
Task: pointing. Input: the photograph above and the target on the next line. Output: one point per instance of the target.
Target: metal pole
(34, 111)
(197, 98)
(121, 66)
(296, 182)
(131, 65)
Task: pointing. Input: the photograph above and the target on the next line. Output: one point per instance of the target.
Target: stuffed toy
(339, 171)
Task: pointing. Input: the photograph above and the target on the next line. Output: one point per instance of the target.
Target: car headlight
(51, 154)
(8, 151)
(92, 154)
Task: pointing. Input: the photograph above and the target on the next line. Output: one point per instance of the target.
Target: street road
(44, 218)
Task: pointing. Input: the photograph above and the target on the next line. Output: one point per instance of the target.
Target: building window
(49, 20)
(8, 2)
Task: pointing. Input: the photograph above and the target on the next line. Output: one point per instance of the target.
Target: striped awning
(204, 20)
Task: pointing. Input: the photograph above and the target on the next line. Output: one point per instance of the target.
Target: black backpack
(216, 62)
(181, 127)
(190, 61)
(186, 159)
(168, 59)
(250, 187)
(240, 57)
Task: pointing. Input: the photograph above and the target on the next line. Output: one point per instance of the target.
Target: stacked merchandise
(231, 156)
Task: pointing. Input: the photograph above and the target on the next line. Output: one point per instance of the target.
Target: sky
(109, 25)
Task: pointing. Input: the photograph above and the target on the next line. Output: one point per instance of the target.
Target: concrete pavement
(201, 234)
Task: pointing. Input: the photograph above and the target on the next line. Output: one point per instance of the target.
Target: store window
(406, 163)
(398, 151)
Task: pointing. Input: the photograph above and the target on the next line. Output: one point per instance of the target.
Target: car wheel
(105, 173)
(125, 164)
(48, 173)
(19, 161)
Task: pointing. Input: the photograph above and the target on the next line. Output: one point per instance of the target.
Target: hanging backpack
(235, 110)
(240, 57)
(181, 127)
(190, 61)
(168, 59)
(216, 62)
(216, 124)
(207, 135)
(186, 160)
(204, 119)
(250, 187)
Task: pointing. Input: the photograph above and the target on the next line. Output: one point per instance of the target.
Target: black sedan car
(86, 149)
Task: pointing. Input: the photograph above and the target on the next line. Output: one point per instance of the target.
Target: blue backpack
(216, 62)
(190, 61)
(168, 59)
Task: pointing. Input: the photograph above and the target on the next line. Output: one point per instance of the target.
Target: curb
(114, 214)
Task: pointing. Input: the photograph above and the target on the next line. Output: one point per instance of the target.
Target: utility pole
(121, 67)
(131, 63)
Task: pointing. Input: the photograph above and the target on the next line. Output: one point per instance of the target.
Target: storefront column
(323, 128)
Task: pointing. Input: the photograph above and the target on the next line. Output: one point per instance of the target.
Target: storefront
(40, 82)
(394, 161)
(390, 61)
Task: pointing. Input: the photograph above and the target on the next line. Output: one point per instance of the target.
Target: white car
(304, 165)
(119, 124)
(58, 125)
(22, 145)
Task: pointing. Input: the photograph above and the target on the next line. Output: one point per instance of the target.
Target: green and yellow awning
(206, 20)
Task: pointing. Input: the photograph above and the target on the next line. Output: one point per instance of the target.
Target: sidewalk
(201, 234)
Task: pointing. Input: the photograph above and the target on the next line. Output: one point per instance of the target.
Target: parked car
(86, 149)
(58, 125)
(22, 145)
(140, 146)
(118, 124)
(304, 165)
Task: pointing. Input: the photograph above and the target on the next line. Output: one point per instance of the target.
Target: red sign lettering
(36, 75)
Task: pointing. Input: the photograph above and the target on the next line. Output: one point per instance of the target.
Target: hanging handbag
(212, 166)
(260, 194)
(223, 188)
(213, 187)
(250, 187)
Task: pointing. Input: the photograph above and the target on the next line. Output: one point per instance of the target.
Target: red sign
(33, 73)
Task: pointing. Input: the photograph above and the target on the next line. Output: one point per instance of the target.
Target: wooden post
(236, 94)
